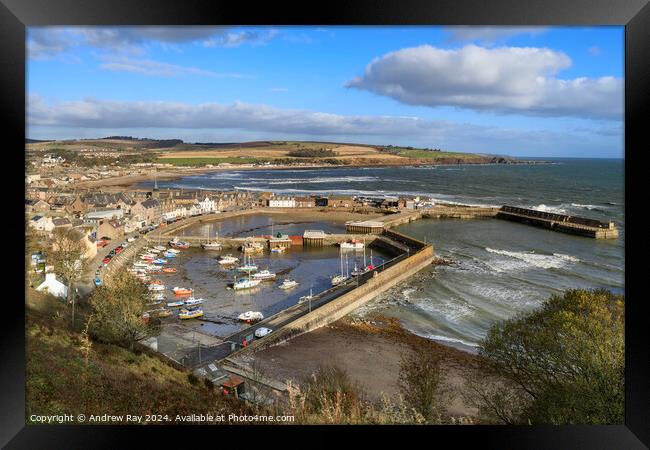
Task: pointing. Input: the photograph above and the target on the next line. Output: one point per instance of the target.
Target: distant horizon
(548, 91)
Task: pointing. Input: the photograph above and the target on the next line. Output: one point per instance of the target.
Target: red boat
(169, 270)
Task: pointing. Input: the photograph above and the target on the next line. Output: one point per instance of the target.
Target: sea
(498, 269)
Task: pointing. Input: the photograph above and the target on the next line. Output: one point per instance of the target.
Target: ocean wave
(452, 310)
(549, 209)
(526, 260)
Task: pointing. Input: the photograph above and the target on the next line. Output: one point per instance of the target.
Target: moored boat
(352, 244)
(251, 316)
(263, 275)
(193, 301)
(227, 260)
(245, 283)
(169, 269)
(175, 304)
(182, 290)
(288, 284)
(190, 313)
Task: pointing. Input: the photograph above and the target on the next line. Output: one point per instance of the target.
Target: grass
(428, 154)
(205, 161)
(111, 380)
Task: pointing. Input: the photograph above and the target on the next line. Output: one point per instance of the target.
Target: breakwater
(580, 226)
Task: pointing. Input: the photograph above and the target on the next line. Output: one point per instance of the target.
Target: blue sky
(502, 90)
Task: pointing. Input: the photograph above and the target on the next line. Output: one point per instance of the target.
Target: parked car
(261, 332)
(132, 238)
(117, 250)
(98, 282)
(106, 260)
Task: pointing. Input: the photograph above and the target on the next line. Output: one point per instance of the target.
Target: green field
(215, 161)
(429, 154)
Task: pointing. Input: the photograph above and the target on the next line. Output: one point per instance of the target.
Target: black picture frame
(16, 15)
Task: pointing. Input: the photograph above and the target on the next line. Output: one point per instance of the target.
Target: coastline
(131, 182)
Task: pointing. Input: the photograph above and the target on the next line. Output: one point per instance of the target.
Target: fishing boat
(263, 275)
(250, 316)
(156, 282)
(182, 291)
(169, 255)
(352, 244)
(288, 284)
(193, 301)
(160, 261)
(245, 283)
(160, 248)
(169, 269)
(190, 313)
(175, 304)
(156, 287)
(227, 260)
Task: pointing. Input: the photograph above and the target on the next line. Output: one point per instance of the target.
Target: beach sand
(370, 352)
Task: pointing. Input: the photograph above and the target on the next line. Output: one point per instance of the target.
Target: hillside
(61, 377)
(178, 153)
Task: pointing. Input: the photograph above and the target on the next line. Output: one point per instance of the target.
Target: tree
(67, 258)
(561, 364)
(118, 308)
(421, 382)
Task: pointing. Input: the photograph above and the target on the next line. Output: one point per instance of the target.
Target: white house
(282, 202)
(42, 223)
(206, 205)
(53, 286)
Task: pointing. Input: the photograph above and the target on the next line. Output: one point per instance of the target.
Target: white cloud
(47, 42)
(279, 89)
(157, 68)
(240, 122)
(489, 35)
(504, 80)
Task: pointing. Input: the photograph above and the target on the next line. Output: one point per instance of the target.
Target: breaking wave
(526, 260)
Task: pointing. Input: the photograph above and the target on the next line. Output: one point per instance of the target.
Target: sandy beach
(370, 351)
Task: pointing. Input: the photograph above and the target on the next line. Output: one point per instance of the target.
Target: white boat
(193, 301)
(143, 264)
(156, 287)
(176, 303)
(174, 250)
(161, 248)
(263, 275)
(288, 284)
(245, 283)
(278, 249)
(212, 245)
(304, 298)
(227, 260)
(251, 316)
(352, 245)
(338, 279)
(262, 331)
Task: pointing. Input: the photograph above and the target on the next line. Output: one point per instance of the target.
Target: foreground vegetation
(560, 364)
